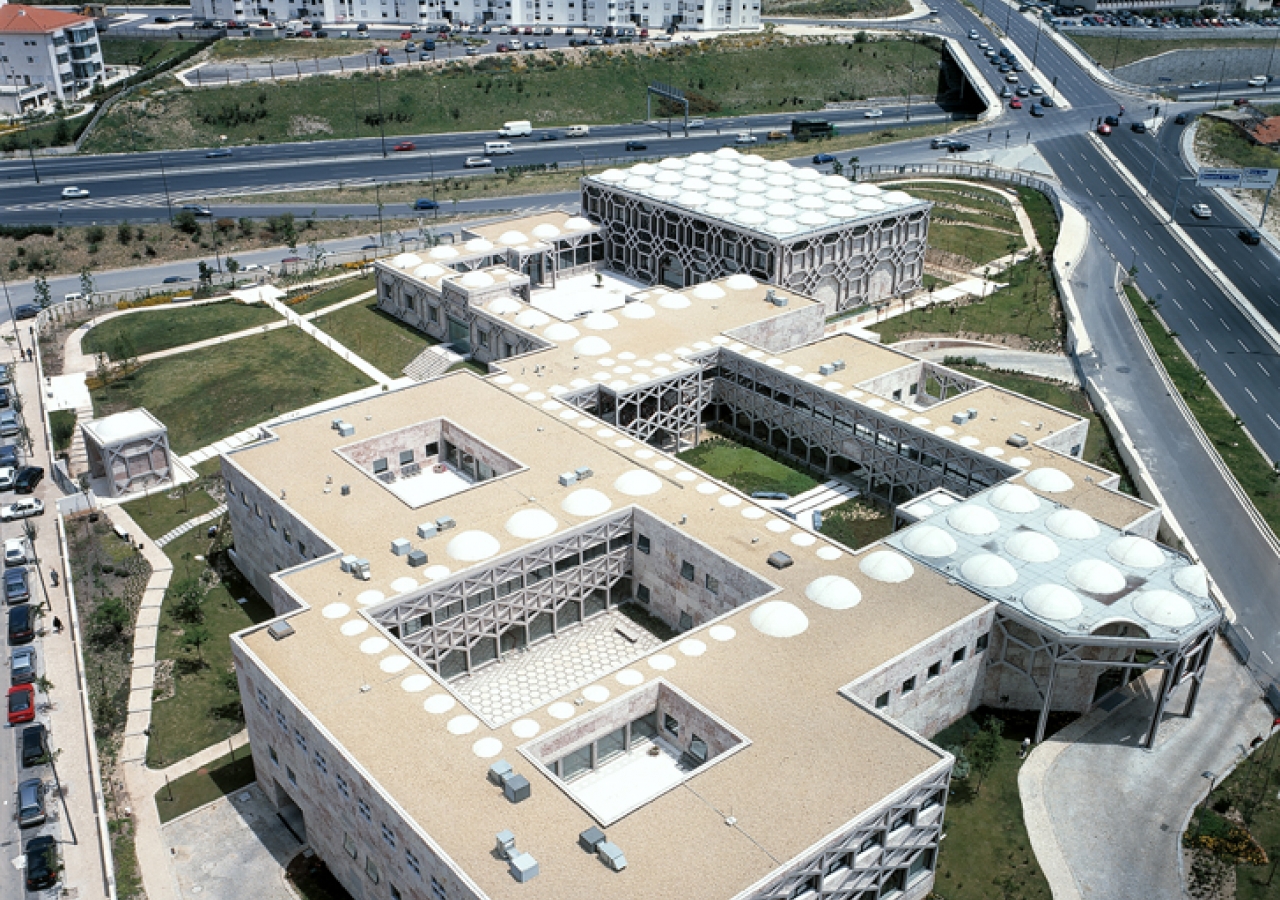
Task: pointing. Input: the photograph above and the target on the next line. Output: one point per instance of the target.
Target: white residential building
(45, 48)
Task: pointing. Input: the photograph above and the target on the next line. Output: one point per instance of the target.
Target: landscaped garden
(162, 328)
(973, 225)
(745, 468)
(223, 776)
(375, 336)
(327, 297)
(158, 514)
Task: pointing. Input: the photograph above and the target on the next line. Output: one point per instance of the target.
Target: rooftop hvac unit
(523, 867)
(1016, 440)
(335, 423)
(346, 490)
(780, 560)
(280, 630)
(401, 547)
(826, 369)
(506, 844)
(498, 771)
(417, 558)
(444, 523)
(515, 787)
(361, 568)
(348, 563)
(972, 413)
(583, 473)
(427, 530)
(838, 365)
(590, 839)
(959, 419)
(611, 855)
(568, 479)
(345, 429)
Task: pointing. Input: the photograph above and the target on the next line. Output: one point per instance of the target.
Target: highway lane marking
(1269, 659)
(1242, 344)
(1175, 303)
(1262, 367)
(1248, 632)
(1194, 325)
(1272, 421)
(1175, 267)
(1224, 323)
(1251, 397)
(1211, 347)
(1163, 286)
(1229, 369)
(1161, 249)
(1255, 281)
(1206, 302)
(1148, 234)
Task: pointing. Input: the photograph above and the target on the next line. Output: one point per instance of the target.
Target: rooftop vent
(280, 630)
(826, 369)
(771, 296)
(345, 429)
(568, 479)
(515, 787)
(972, 413)
(611, 855)
(780, 560)
(590, 839)
(583, 472)
(498, 771)
(417, 558)
(838, 365)
(348, 563)
(401, 547)
(335, 424)
(959, 419)
(523, 867)
(506, 845)
(427, 530)
(444, 523)
(346, 490)
(1016, 440)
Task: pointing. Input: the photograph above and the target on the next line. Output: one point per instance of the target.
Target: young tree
(985, 750)
(109, 620)
(206, 274)
(44, 296)
(194, 637)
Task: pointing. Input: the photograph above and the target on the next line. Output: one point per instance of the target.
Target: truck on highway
(805, 129)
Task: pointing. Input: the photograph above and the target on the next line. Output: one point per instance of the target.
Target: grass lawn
(336, 294)
(1099, 447)
(1243, 459)
(746, 469)
(161, 328)
(207, 394)
(1026, 314)
(724, 76)
(987, 854)
(976, 243)
(1220, 142)
(198, 703)
(380, 339)
(969, 221)
(837, 9)
(125, 856)
(1115, 50)
(856, 523)
(62, 426)
(158, 514)
(140, 51)
(1043, 219)
(261, 51)
(206, 784)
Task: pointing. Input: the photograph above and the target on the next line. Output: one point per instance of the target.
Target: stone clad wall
(782, 332)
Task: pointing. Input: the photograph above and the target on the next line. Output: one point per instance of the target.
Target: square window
(642, 593)
(909, 685)
(686, 571)
(342, 786)
(958, 656)
(935, 670)
(902, 820)
(713, 584)
(642, 543)
(882, 701)
(981, 644)
(671, 725)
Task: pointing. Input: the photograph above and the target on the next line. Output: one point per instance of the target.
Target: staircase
(431, 363)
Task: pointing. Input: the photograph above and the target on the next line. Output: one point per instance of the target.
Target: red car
(22, 704)
(528, 30)
(1015, 103)
(405, 35)
(406, 145)
(306, 32)
(1104, 129)
(383, 51)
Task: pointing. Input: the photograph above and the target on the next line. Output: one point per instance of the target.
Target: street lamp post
(1176, 195)
(1035, 53)
(382, 128)
(217, 255)
(1222, 73)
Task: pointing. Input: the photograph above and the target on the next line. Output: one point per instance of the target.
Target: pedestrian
(29, 354)
(57, 625)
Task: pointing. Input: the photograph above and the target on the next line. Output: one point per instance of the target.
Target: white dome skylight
(708, 292)
(886, 566)
(406, 261)
(577, 223)
(638, 483)
(973, 520)
(531, 524)
(1164, 608)
(1193, 580)
(740, 282)
(693, 199)
(1050, 480)
(929, 541)
(479, 245)
(988, 570)
(532, 318)
(638, 310)
(1072, 524)
(780, 619)
(443, 252)
(1031, 546)
(505, 306)
(600, 321)
(429, 270)
(473, 546)
(833, 592)
(561, 331)
(477, 280)
(1014, 498)
(674, 301)
(648, 170)
(585, 502)
(1093, 576)
(513, 238)
(1053, 601)
(1135, 552)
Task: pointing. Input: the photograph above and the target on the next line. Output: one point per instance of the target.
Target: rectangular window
(958, 656)
(280, 720)
(395, 894)
(909, 685)
(509, 587)
(480, 598)
(271, 522)
(388, 835)
(288, 538)
(262, 700)
(642, 593)
(621, 542)
(902, 820)
(342, 786)
(642, 543)
(406, 457)
(371, 870)
(568, 563)
(671, 725)
(437, 889)
(275, 759)
(882, 701)
(935, 670)
(321, 763)
(686, 570)
(713, 584)
(300, 740)
(293, 779)
(349, 844)
(379, 465)
(364, 810)
(981, 644)
(871, 841)
(412, 862)
(595, 552)
(541, 573)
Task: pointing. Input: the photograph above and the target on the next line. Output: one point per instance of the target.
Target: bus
(804, 129)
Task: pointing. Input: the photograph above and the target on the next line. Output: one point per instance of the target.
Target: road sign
(1251, 179)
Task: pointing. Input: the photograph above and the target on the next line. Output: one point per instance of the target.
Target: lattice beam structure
(1027, 648)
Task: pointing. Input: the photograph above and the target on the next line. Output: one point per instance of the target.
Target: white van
(519, 128)
(498, 148)
(577, 131)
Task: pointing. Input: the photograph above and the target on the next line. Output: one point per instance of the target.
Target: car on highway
(22, 509)
(1023, 91)
(31, 812)
(873, 113)
(746, 138)
(477, 162)
(1006, 92)
(220, 153)
(425, 203)
(1104, 129)
(973, 35)
(42, 863)
(1012, 78)
(1259, 81)
(1015, 103)
(958, 147)
(635, 146)
(1200, 84)
(1036, 111)
(822, 159)
(27, 478)
(196, 209)
(22, 665)
(175, 279)
(74, 193)
(17, 586)
(26, 311)
(1046, 101)
(15, 552)
(1180, 119)
(22, 704)
(1113, 121)
(1250, 236)
(1138, 128)
(405, 146)
(1036, 90)
(386, 61)
(1202, 211)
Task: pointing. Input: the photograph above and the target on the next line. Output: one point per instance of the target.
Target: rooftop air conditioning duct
(826, 369)
(838, 365)
(1016, 440)
(568, 478)
(973, 413)
(346, 430)
(401, 547)
(780, 560)
(959, 419)
(427, 530)
(280, 630)
(417, 558)
(444, 523)
(583, 472)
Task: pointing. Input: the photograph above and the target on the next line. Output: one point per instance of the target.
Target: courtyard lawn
(856, 523)
(746, 469)
(987, 853)
(197, 702)
(158, 514)
(380, 339)
(162, 328)
(336, 294)
(205, 784)
(208, 394)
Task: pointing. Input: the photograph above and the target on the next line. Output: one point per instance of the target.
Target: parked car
(22, 704)
(477, 162)
(34, 745)
(22, 509)
(6, 376)
(7, 474)
(27, 479)
(175, 279)
(22, 625)
(635, 146)
(425, 203)
(26, 311)
(9, 424)
(1250, 236)
(74, 193)
(405, 146)
(22, 665)
(17, 588)
(42, 863)
(31, 810)
(1202, 211)
(822, 159)
(9, 456)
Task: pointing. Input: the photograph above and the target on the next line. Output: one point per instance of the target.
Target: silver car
(22, 666)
